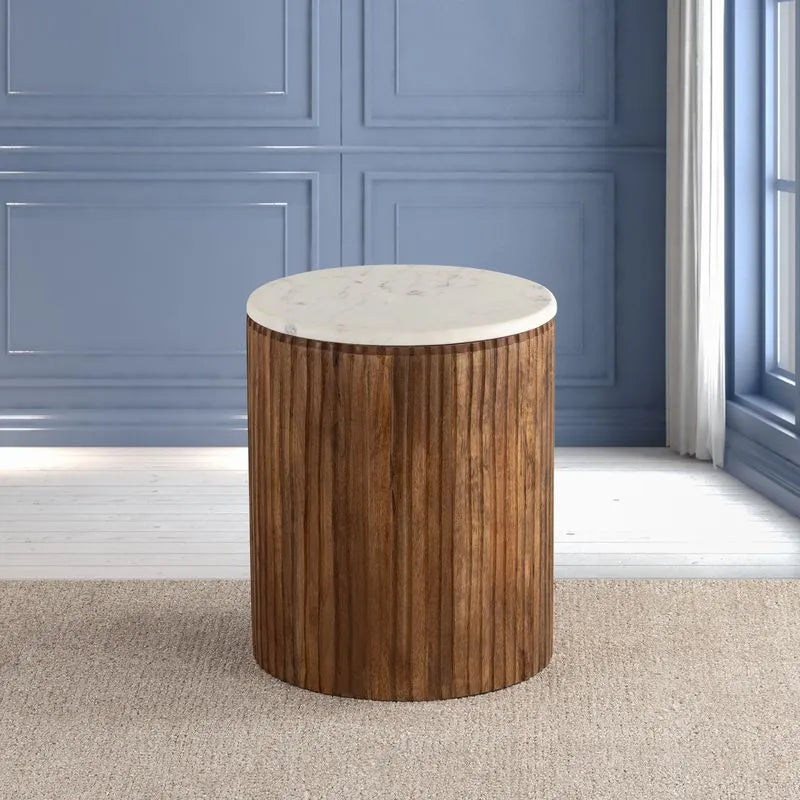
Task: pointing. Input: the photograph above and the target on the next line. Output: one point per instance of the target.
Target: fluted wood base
(401, 513)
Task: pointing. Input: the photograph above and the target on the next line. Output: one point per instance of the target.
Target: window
(780, 146)
(762, 445)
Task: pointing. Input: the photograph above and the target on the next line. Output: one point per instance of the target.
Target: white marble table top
(401, 304)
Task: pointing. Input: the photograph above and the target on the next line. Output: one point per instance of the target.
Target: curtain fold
(695, 252)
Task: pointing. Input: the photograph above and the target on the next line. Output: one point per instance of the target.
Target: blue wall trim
(610, 427)
(764, 470)
(227, 427)
(119, 427)
(253, 63)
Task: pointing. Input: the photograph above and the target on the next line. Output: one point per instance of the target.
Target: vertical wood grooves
(327, 602)
(312, 512)
(448, 517)
(401, 513)
(473, 584)
(433, 523)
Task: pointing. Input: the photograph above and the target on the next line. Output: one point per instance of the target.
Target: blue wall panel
(161, 64)
(127, 255)
(462, 63)
(156, 165)
(556, 228)
(506, 72)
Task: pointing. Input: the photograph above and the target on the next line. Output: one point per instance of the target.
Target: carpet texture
(657, 689)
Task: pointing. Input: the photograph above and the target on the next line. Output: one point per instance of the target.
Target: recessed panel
(120, 279)
(158, 268)
(553, 228)
(492, 48)
(509, 63)
(165, 62)
(150, 47)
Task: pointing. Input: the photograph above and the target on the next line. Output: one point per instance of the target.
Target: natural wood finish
(401, 512)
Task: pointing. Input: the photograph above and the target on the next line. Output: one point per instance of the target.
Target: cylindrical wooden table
(401, 480)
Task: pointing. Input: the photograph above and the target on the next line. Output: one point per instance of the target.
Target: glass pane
(785, 90)
(784, 282)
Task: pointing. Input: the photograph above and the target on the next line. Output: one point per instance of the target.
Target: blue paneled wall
(158, 165)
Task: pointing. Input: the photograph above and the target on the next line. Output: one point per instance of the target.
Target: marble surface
(401, 304)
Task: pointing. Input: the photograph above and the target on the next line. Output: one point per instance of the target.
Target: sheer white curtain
(696, 229)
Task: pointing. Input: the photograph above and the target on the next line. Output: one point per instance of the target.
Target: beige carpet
(658, 689)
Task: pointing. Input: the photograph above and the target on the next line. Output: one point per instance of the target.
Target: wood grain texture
(401, 513)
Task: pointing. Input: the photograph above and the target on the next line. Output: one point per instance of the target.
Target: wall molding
(160, 175)
(10, 150)
(610, 427)
(75, 120)
(310, 176)
(400, 92)
(11, 207)
(49, 382)
(17, 351)
(10, 90)
(607, 376)
(124, 427)
(373, 120)
(599, 427)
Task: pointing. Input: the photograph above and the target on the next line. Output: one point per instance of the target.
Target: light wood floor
(182, 513)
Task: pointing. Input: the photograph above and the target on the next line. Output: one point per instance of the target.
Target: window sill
(768, 424)
(771, 411)
(762, 449)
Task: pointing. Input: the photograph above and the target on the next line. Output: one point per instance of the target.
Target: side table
(401, 480)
